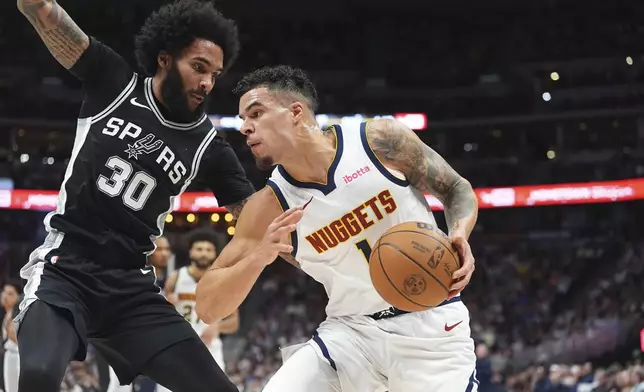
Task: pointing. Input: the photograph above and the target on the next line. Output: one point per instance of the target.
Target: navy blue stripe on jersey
(119, 100)
(284, 204)
(330, 175)
(149, 96)
(473, 381)
(325, 351)
(376, 161)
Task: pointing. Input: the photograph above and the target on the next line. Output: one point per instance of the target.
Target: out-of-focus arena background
(539, 104)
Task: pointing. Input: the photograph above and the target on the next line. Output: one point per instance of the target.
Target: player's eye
(255, 114)
(198, 67)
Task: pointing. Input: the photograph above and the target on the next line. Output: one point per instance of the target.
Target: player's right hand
(277, 237)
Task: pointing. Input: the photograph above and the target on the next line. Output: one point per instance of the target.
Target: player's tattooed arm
(236, 208)
(399, 148)
(64, 39)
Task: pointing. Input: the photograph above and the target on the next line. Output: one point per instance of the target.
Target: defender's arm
(230, 324)
(261, 234)
(399, 147)
(64, 39)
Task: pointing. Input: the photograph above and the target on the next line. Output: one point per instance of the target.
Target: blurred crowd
(556, 304)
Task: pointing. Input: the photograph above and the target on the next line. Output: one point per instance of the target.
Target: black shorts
(120, 311)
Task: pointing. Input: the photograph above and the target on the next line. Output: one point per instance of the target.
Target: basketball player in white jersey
(9, 299)
(181, 286)
(331, 197)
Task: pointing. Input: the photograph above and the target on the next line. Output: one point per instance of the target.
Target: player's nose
(206, 84)
(246, 128)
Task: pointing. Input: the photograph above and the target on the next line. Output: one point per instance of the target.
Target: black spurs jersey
(128, 165)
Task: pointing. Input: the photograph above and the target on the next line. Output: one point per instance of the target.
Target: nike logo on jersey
(353, 223)
(133, 102)
(145, 271)
(450, 327)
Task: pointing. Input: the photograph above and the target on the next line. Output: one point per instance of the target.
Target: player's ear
(163, 60)
(297, 109)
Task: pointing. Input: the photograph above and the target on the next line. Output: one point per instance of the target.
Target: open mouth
(198, 98)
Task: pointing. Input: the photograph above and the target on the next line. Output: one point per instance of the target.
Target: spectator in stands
(160, 258)
(10, 299)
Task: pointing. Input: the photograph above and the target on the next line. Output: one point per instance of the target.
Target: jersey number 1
(137, 190)
(364, 247)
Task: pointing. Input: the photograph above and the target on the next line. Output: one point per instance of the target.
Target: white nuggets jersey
(361, 200)
(185, 289)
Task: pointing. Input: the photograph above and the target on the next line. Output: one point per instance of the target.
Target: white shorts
(216, 349)
(11, 368)
(416, 352)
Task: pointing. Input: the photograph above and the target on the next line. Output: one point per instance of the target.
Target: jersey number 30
(137, 189)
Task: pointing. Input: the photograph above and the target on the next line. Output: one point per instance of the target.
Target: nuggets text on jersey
(352, 223)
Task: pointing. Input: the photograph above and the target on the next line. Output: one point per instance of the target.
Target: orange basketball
(411, 266)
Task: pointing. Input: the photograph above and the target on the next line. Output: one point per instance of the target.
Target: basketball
(411, 266)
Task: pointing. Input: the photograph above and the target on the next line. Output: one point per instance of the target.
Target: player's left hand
(463, 275)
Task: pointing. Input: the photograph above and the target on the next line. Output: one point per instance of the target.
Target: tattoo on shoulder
(399, 147)
(64, 39)
(236, 208)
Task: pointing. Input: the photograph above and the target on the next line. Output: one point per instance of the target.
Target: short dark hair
(175, 26)
(15, 283)
(282, 78)
(200, 235)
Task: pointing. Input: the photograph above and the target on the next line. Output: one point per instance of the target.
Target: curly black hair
(175, 26)
(200, 235)
(282, 78)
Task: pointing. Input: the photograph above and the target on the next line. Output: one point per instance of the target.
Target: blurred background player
(140, 142)
(312, 217)
(162, 260)
(10, 299)
(181, 287)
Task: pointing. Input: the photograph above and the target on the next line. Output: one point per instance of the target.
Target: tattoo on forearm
(236, 208)
(64, 39)
(426, 170)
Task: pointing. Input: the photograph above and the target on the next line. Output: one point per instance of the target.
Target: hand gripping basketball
(276, 238)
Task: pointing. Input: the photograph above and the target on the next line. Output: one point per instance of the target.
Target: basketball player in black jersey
(140, 142)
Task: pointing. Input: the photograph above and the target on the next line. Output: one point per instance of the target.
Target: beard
(202, 264)
(175, 97)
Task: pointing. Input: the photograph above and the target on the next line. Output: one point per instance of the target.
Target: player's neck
(195, 272)
(313, 154)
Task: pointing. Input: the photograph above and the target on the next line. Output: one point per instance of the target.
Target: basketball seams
(415, 262)
(447, 246)
(384, 272)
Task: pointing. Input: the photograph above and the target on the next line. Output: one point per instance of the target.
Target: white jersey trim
(82, 130)
(149, 96)
(118, 101)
